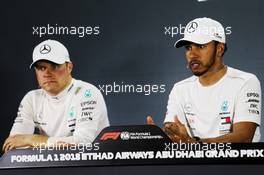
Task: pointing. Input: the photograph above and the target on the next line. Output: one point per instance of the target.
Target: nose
(48, 72)
(192, 52)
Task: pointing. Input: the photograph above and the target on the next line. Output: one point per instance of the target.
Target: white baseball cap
(50, 50)
(202, 31)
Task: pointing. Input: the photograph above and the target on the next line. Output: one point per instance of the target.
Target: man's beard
(206, 66)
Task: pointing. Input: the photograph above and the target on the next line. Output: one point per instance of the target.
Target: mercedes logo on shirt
(45, 49)
(192, 27)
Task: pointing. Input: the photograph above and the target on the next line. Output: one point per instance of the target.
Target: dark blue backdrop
(132, 47)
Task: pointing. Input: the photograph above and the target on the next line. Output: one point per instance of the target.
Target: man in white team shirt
(218, 103)
(64, 110)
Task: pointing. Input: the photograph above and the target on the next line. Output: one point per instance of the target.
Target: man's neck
(213, 76)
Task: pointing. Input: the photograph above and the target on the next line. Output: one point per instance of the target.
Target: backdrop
(114, 43)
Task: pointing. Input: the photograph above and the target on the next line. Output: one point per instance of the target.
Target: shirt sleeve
(174, 108)
(90, 120)
(248, 102)
(24, 123)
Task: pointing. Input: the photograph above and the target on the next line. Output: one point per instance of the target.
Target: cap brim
(31, 65)
(185, 41)
(57, 62)
(181, 42)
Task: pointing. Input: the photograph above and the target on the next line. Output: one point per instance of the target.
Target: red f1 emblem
(110, 135)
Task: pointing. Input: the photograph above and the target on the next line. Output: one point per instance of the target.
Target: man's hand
(177, 131)
(23, 140)
(150, 121)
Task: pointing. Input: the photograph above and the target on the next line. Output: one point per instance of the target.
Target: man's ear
(69, 67)
(220, 49)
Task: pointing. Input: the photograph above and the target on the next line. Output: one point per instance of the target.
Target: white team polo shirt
(209, 111)
(75, 115)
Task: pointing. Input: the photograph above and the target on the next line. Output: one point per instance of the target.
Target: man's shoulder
(240, 75)
(186, 82)
(184, 85)
(35, 93)
(84, 87)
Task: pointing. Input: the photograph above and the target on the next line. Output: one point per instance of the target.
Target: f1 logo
(110, 135)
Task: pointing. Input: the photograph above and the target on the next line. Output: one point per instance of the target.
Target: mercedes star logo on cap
(192, 26)
(45, 49)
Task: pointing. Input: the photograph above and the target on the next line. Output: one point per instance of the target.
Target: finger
(181, 127)
(12, 144)
(169, 131)
(11, 147)
(4, 145)
(8, 140)
(150, 121)
(166, 126)
(171, 127)
(177, 121)
(169, 124)
(7, 147)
